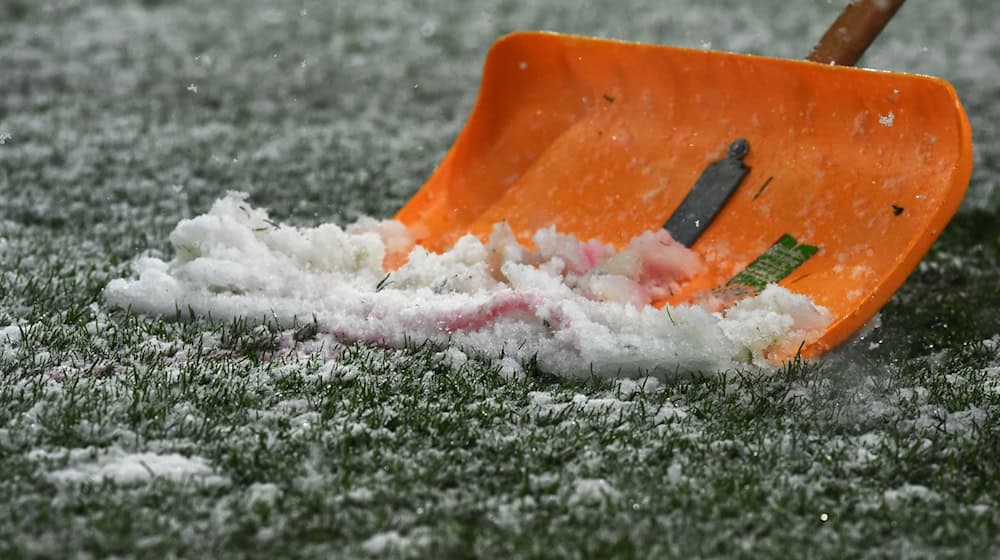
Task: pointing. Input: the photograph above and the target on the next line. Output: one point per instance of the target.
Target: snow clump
(573, 307)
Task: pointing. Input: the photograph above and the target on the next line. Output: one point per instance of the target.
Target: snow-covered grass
(129, 435)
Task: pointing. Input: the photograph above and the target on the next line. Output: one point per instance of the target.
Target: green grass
(886, 447)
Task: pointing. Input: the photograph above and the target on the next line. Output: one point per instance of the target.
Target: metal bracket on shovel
(709, 194)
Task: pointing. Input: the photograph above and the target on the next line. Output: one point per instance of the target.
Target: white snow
(577, 307)
(675, 473)
(389, 542)
(898, 496)
(129, 468)
(266, 493)
(10, 335)
(382, 543)
(646, 385)
(361, 494)
(592, 492)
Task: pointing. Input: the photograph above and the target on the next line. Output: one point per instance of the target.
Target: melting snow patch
(360, 495)
(454, 357)
(961, 423)
(991, 379)
(667, 412)
(265, 493)
(573, 307)
(510, 369)
(10, 335)
(647, 385)
(609, 408)
(675, 474)
(131, 468)
(381, 544)
(907, 492)
(866, 450)
(592, 492)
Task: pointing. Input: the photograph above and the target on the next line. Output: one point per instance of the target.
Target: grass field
(134, 436)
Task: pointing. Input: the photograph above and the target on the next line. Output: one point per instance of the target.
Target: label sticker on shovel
(775, 264)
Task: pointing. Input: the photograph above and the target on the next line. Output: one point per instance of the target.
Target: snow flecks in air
(575, 307)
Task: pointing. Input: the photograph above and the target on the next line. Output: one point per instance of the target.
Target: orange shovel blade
(604, 139)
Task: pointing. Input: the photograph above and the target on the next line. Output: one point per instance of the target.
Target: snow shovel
(829, 180)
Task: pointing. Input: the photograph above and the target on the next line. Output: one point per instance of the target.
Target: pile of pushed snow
(577, 307)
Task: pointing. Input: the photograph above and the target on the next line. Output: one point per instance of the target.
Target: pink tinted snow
(648, 269)
(503, 305)
(578, 305)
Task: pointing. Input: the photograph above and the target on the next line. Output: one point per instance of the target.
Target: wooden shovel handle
(858, 25)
